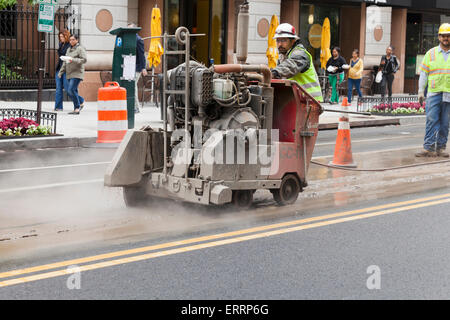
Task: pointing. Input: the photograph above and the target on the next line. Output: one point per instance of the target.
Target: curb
(42, 143)
(361, 123)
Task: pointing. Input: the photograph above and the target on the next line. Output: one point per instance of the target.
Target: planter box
(389, 114)
(47, 118)
(34, 136)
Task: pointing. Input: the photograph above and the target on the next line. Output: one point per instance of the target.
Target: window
(421, 35)
(8, 17)
(310, 15)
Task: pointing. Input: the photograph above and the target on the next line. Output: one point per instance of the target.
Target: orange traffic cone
(345, 102)
(343, 149)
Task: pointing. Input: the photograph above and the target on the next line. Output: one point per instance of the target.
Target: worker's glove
(421, 98)
(275, 74)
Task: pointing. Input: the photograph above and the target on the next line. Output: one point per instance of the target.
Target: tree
(9, 3)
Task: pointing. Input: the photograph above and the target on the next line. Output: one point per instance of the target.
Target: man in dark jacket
(389, 65)
(61, 83)
(140, 66)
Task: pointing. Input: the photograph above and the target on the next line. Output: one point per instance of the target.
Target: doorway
(200, 17)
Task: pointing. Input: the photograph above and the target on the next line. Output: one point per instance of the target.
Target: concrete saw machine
(228, 130)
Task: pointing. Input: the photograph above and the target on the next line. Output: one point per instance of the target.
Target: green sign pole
(45, 24)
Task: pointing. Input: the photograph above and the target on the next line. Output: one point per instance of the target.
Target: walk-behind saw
(228, 130)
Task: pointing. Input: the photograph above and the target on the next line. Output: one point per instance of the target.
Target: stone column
(98, 17)
(261, 12)
(290, 13)
(398, 40)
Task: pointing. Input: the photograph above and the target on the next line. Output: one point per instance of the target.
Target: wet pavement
(87, 214)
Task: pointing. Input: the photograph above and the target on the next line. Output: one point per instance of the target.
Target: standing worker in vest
(435, 72)
(295, 63)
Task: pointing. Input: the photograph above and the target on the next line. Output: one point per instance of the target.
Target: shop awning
(414, 4)
(431, 4)
(400, 3)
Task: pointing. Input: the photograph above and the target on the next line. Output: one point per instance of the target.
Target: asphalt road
(376, 253)
(57, 195)
(373, 139)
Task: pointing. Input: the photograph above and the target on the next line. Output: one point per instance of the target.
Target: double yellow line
(150, 252)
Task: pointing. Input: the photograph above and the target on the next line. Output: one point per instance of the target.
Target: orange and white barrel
(112, 113)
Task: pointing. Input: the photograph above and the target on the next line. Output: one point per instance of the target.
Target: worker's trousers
(437, 124)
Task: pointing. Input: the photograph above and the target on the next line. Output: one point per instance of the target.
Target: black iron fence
(386, 104)
(47, 118)
(19, 45)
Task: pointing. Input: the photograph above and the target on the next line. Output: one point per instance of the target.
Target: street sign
(48, 1)
(46, 16)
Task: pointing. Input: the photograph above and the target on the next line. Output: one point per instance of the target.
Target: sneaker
(81, 106)
(76, 111)
(426, 153)
(442, 153)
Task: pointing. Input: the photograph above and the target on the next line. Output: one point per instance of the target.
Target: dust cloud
(70, 205)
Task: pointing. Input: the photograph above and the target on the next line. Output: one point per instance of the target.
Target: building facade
(410, 26)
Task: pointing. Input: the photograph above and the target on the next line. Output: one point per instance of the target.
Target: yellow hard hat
(444, 28)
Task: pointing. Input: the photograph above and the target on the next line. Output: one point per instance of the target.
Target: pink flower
(13, 123)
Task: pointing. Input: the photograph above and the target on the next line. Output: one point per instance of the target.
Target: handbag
(379, 77)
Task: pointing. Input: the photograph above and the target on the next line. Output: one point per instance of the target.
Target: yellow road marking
(147, 256)
(210, 237)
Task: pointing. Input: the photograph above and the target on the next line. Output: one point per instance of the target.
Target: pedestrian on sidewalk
(140, 66)
(61, 83)
(73, 67)
(435, 74)
(389, 65)
(335, 73)
(355, 75)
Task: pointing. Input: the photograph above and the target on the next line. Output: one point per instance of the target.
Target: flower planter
(30, 136)
(390, 114)
(22, 127)
(398, 109)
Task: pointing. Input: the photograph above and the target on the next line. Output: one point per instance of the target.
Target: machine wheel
(289, 190)
(242, 199)
(135, 196)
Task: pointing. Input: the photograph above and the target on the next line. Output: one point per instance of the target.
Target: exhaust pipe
(261, 68)
(242, 34)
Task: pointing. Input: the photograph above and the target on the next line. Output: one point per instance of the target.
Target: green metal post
(125, 45)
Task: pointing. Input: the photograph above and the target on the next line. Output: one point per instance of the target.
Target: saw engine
(226, 101)
(221, 101)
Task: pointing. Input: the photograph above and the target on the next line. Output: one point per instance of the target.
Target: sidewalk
(79, 130)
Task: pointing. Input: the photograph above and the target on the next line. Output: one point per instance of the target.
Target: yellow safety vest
(438, 70)
(308, 80)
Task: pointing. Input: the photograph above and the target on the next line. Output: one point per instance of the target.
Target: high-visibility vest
(308, 80)
(438, 70)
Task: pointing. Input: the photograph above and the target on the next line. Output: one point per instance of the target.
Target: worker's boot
(426, 153)
(442, 153)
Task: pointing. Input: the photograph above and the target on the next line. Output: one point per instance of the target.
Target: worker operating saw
(295, 62)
